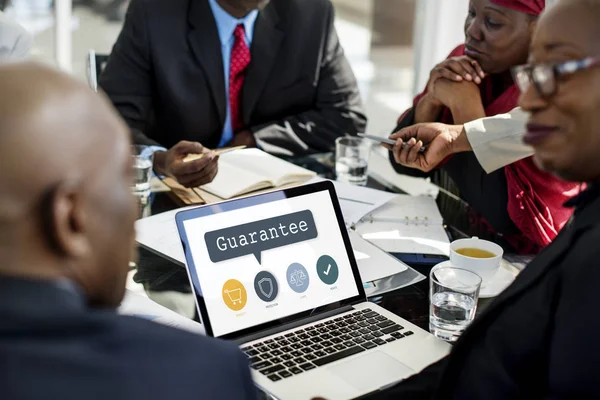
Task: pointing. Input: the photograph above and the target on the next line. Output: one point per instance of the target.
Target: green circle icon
(327, 270)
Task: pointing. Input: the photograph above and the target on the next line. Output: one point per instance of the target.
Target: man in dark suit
(66, 237)
(267, 73)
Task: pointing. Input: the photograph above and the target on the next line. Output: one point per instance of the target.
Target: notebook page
(407, 224)
(268, 167)
(417, 210)
(233, 179)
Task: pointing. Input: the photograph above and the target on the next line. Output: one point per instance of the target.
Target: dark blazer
(53, 347)
(539, 338)
(165, 76)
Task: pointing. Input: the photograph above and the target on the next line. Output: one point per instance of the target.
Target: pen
(405, 220)
(387, 141)
(194, 157)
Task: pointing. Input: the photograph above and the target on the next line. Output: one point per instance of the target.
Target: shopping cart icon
(235, 295)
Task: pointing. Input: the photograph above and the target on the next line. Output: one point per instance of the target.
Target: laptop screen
(259, 261)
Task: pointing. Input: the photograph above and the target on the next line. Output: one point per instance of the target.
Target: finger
(397, 150)
(406, 150)
(426, 132)
(212, 165)
(477, 67)
(405, 134)
(413, 153)
(387, 146)
(463, 69)
(470, 69)
(200, 179)
(185, 147)
(180, 168)
(468, 66)
(446, 73)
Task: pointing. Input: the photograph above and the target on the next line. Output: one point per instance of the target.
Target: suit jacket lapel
(265, 45)
(206, 46)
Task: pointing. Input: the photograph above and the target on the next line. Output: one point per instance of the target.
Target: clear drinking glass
(453, 295)
(143, 160)
(352, 160)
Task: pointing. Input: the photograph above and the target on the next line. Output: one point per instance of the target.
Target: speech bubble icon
(258, 236)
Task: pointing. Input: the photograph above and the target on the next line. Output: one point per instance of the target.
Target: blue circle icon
(266, 286)
(297, 278)
(327, 270)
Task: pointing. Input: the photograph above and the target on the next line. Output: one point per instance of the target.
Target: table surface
(410, 303)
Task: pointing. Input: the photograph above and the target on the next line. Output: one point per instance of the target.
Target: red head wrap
(533, 7)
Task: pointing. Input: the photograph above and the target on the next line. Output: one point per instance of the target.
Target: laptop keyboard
(323, 343)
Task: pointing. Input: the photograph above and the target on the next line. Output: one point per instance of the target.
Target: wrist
(461, 142)
(465, 112)
(433, 102)
(427, 109)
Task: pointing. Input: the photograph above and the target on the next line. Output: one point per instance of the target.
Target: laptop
(276, 274)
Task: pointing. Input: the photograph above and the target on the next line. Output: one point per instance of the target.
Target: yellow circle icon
(234, 295)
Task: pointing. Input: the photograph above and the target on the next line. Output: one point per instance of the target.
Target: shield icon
(265, 285)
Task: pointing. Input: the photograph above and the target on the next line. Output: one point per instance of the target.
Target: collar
(585, 198)
(226, 23)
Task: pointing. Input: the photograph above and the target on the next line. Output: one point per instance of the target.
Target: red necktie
(240, 58)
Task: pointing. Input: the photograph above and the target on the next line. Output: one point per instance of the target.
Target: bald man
(66, 237)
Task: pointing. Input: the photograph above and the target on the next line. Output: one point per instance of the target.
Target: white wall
(438, 30)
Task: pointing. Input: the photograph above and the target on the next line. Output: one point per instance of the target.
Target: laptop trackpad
(373, 370)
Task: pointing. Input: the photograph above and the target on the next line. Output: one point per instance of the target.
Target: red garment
(533, 7)
(240, 59)
(535, 197)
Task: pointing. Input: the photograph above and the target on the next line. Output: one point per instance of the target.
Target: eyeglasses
(544, 76)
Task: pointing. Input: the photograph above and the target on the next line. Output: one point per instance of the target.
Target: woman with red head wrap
(519, 205)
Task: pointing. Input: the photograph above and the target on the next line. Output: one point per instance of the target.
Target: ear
(64, 220)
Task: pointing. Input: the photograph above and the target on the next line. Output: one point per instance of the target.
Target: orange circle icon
(234, 295)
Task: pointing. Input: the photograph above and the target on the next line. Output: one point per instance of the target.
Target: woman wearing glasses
(539, 338)
(519, 206)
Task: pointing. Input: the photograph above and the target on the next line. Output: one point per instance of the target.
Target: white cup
(486, 268)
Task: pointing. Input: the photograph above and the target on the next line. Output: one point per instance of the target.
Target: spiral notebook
(407, 224)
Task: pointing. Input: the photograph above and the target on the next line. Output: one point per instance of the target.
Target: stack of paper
(357, 201)
(139, 306)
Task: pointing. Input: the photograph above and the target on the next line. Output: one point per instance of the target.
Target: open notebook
(249, 170)
(406, 224)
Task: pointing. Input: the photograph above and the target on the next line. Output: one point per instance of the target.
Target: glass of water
(352, 160)
(143, 160)
(453, 295)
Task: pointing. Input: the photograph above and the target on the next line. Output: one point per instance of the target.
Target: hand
(441, 141)
(242, 138)
(459, 95)
(189, 174)
(457, 69)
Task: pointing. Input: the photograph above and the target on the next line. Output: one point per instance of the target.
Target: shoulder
(170, 343)
(160, 4)
(310, 10)
(159, 8)
(581, 265)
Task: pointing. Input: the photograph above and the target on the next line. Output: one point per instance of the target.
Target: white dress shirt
(498, 141)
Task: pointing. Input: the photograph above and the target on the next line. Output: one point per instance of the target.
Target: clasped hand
(455, 82)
